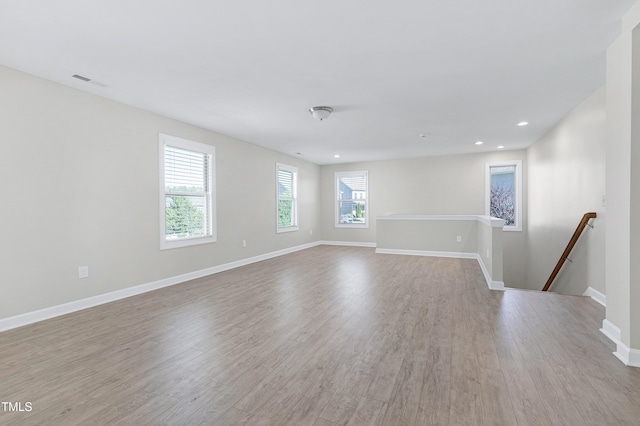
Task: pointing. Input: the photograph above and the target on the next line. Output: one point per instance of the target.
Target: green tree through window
(284, 213)
(183, 219)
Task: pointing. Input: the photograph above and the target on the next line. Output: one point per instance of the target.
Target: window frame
(517, 186)
(293, 199)
(336, 198)
(210, 192)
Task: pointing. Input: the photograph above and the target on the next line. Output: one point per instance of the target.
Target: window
(287, 198)
(503, 187)
(352, 208)
(187, 197)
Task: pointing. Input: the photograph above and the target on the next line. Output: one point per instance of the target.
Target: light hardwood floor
(325, 336)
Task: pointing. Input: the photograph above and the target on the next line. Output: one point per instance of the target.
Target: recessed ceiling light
(479, 143)
(336, 156)
(423, 135)
(501, 147)
(298, 153)
(523, 123)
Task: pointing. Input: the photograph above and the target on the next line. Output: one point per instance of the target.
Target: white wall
(618, 178)
(447, 185)
(80, 178)
(567, 180)
(479, 237)
(79, 175)
(80, 188)
(428, 233)
(623, 197)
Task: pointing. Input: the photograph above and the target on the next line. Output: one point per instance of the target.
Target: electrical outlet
(244, 243)
(459, 238)
(83, 271)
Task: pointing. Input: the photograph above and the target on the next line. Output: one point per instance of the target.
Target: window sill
(287, 229)
(512, 229)
(186, 242)
(353, 225)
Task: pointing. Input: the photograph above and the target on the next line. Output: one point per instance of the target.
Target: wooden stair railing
(574, 239)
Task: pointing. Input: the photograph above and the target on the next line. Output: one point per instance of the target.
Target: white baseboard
(493, 285)
(629, 357)
(78, 305)
(596, 295)
(611, 331)
(461, 255)
(347, 243)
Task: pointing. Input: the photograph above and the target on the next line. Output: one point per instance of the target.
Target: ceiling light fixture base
(320, 112)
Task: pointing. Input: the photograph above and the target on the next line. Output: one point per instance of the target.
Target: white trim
(629, 357)
(460, 255)
(611, 331)
(286, 229)
(518, 188)
(347, 243)
(78, 305)
(428, 217)
(493, 285)
(494, 222)
(596, 295)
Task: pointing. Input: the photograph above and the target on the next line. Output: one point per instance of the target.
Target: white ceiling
(456, 71)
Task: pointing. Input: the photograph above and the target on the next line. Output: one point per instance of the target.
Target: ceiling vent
(79, 77)
(88, 80)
